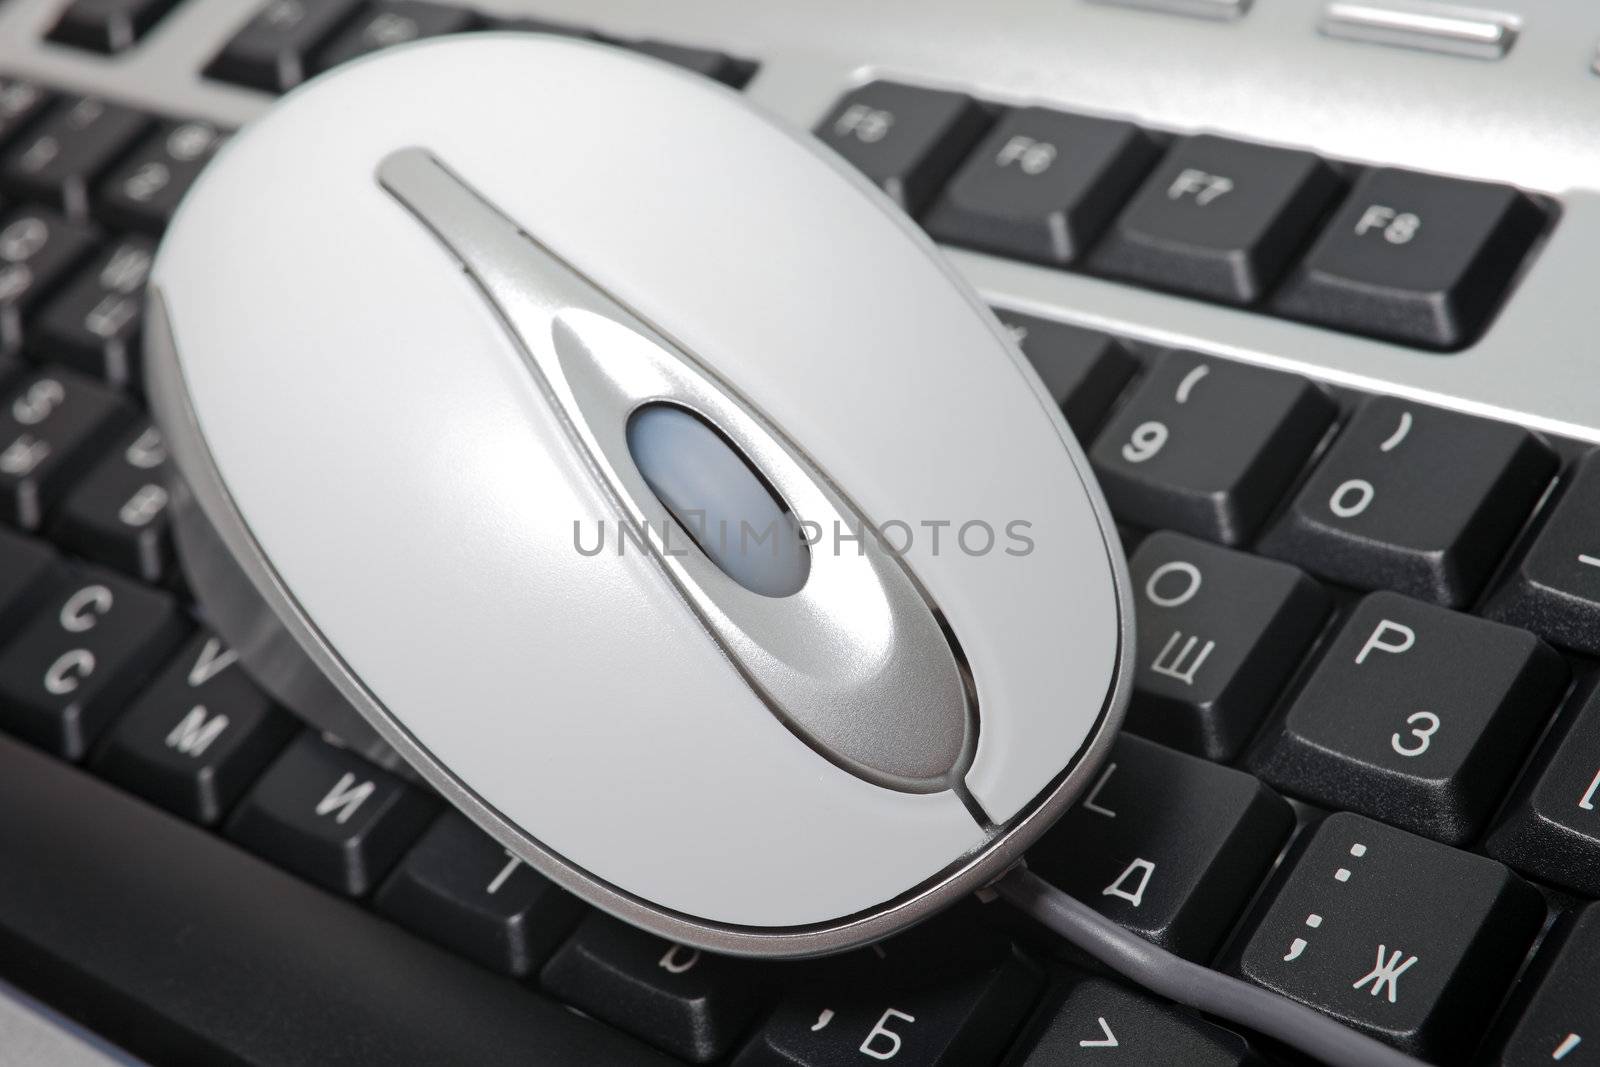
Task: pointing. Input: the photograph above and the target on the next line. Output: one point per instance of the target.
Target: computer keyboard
(1334, 379)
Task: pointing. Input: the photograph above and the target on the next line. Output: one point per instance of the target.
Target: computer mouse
(645, 480)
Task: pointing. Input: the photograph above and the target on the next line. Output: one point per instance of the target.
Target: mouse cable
(1175, 978)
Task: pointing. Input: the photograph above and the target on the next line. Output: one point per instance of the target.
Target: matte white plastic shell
(388, 453)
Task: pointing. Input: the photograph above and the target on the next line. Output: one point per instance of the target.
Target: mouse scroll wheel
(723, 504)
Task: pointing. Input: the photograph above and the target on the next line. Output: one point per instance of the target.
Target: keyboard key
(20, 103)
(143, 191)
(118, 513)
(182, 949)
(461, 889)
(1084, 370)
(273, 50)
(718, 66)
(72, 666)
(38, 249)
(684, 1001)
(1564, 1013)
(921, 1003)
(1097, 1021)
(198, 736)
(1551, 828)
(1043, 185)
(1417, 716)
(1170, 846)
(1415, 258)
(1208, 447)
(906, 139)
(68, 149)
(558, 29)
(29, 572)
(94, 324)
(1220, 219)
(387, 24)
(53, 424)
(1414, 499)
(1406, 939)
(1219, 633)
(1554, 590)
(109, 26)
(329, 816)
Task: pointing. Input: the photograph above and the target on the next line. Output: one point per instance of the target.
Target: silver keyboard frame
(1531, 118)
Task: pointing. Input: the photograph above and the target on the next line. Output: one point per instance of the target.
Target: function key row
(287, 41)
(1401, 255)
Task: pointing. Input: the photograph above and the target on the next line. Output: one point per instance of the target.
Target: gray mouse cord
(1199, 987)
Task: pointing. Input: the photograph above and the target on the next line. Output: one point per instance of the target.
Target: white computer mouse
(465, 351)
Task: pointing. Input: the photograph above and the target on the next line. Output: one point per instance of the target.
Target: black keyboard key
(1170, 846)
(1561, 1023)
(1554, 589)
(461, 889)
(38, 249)
(69, 671)
(384, 25)
(1220, 219)
(718, 66)
(109, 26)
(557, 29)
(66, 151)
(1551, 829)
(684, 1001)
(94, 323)
(1084, 370)
(1043, 185)
(29, 571)
(198, 736)
(143, 191)
(1406, 939)
(329, 816)
(912, 1002)
(118, 513)
(183, 949)
(1417, 716)
(20, 103)
(1097, 1021)
(905, 139)
(1219, 633)
(1415, 258)
(273, 50)
(52, 425)
(1414, 499)
(1208, 447)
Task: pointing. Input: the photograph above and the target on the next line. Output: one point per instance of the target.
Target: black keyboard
(1361, 767)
